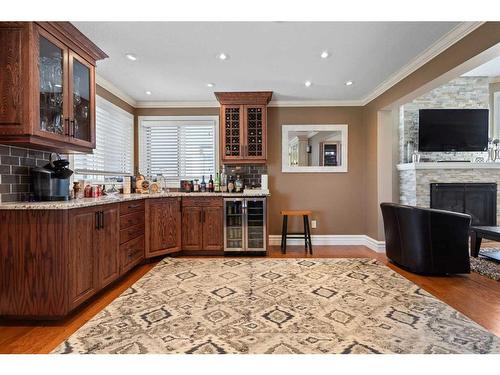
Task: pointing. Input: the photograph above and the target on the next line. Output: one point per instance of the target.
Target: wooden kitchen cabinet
(202, 224)
(243, 126)
(163, 226)
(93, 250)
(47, 86)
(51, 261)
(131, 234)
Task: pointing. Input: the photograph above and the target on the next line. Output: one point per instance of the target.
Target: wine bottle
(217, 183)
(210, 185)
(203, 185)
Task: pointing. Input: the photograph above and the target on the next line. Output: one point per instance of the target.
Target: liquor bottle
(238, 185)
(203, 185)
(230, 184)
(210, 185)
(196, 186)
(217, 183)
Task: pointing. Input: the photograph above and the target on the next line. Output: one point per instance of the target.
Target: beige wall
(336, 199)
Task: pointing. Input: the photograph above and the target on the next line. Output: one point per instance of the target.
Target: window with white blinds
(113, 154)
(178, 147)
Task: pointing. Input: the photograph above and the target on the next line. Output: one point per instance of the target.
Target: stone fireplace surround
(415, 179)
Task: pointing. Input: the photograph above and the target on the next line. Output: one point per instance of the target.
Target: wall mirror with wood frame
(314, 148)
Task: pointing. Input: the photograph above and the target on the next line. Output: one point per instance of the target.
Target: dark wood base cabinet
(163, 226)
(51, 261)
(202, 224)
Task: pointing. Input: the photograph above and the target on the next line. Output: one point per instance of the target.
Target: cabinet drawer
(202, 201)
(131, 253)
(131, 232)
(132, 219)
(133, 206)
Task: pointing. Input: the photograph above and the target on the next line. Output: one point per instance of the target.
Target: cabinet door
(255, 132)
(52, 79)
(192, 228)
(213, 228)
(232, 132)
(81, 101)
(83, 275)
(163, 226)
(108, 245)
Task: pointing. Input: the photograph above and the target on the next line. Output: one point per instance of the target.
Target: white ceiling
(489, 69)
(176, 60)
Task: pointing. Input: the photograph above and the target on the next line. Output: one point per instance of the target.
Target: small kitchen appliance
(51, 182)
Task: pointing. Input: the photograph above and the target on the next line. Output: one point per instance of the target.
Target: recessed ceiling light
(349, 83)
(324, 54)
(148, 92)
(210, 84)
(308, 83)
(131, 56)
(222, 56)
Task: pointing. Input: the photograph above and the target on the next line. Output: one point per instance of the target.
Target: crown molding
(275, 103)
(177, 104)
(450, 38)
(315, 103)
(105, 84)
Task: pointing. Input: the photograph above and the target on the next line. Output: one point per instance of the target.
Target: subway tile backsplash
(15, 166)
(250, 173)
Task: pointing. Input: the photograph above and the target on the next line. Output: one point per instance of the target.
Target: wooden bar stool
(307, 232)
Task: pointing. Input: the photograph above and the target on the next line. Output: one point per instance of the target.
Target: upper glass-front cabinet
(81, 118)
(66, 93)
(51, 68)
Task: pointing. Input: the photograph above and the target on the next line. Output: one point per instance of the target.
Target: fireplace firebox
(476, 199)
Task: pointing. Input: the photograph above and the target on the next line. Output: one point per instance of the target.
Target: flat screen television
(452, 129)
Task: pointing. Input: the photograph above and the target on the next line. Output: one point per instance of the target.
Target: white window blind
(178, 148)
(113, 154)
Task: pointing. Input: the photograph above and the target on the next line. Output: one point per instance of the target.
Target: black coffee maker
(51, 182)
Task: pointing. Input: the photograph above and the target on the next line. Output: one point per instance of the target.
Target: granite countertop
(108, 199)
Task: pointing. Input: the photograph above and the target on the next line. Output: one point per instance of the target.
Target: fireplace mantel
(447, 165)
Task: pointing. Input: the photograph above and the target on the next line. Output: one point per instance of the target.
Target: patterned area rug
(486, 267)
(243, 305)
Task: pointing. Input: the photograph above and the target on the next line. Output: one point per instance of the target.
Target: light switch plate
(313, 224)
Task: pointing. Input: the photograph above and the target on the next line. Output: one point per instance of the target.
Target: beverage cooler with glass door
(245, 225)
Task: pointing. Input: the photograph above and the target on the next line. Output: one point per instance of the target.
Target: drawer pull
(134, 205)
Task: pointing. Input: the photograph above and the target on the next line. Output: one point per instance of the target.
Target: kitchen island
(74, 249)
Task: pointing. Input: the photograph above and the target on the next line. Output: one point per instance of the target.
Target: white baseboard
(334, 239)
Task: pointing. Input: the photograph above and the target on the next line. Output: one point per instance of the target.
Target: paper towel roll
(263, 182)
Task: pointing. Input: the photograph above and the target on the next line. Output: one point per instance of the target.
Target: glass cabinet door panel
(233, 227)
(80, 122)
(255, 131)
(232, 132)
(50, 67)
(255, 225)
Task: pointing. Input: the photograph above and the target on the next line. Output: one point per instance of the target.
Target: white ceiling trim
(105, 84)
(434, 50)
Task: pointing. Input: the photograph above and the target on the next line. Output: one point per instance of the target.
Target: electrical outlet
(313, 224)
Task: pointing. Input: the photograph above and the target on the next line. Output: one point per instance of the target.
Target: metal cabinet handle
(134, 206)
(66, 121)
(203, 216)
(72, 128)
(102, 219)
(97, 220)
(200, 217)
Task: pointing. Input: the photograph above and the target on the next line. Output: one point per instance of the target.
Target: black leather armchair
(426, 241)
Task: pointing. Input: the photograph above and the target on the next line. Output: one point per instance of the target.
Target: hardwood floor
(473, 295)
